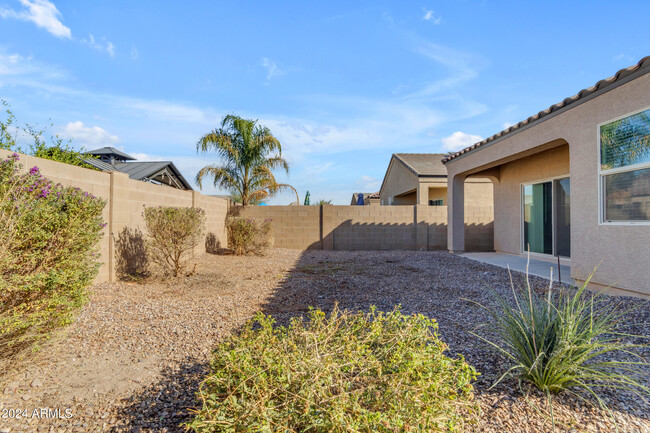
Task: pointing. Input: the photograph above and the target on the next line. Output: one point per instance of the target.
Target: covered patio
(536, 267)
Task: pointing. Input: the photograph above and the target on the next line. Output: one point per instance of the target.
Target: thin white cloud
(430, 16)
(272, 69)
(43, 13)
(90, 137)
(459, 140)
(368, 183)
(313, 170)
(507, 125)
(102, 45)
(135, 55)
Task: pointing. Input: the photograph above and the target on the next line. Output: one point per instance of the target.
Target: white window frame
(602, 173)
(521, 215)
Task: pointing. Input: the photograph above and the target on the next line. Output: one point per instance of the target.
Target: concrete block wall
(125, 202)
(296, 227)
(370, 227)
(328, 227)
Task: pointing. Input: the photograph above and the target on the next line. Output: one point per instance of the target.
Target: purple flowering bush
(49, 238)
(248, 235)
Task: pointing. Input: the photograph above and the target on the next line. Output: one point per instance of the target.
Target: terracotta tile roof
(642, 67)
(423, 164)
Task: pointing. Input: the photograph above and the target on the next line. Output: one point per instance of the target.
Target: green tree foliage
(54, 148)
(346, 372)
(626, 141)
(249, 154)
(49, 254)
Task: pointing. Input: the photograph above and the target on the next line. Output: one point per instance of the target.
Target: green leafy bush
(48, 254)
(564, 342)
(363, 372)
(248, 235)
(173, 233)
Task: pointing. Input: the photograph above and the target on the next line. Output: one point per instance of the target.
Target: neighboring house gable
(157, 172)
(421, 178)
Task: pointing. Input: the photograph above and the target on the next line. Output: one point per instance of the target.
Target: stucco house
(157, 172)
(571, 181)
(421, 178)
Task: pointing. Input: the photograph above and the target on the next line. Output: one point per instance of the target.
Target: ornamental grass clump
(567, 341)
(173, 232)
(49, 255)
(363, 372)
(248, 235)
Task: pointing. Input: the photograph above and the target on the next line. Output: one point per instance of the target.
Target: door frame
(522, 247)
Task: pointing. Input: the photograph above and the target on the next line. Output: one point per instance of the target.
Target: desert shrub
(173, 232)
(362, 372)
(132, 261)
(48, 254)
(248, 235)
(566, 341)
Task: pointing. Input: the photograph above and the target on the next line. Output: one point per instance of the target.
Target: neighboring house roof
(150, 170)
(110, 151)
(98, 163)
(420, 164)
(423, 164)
(621, 77)
(146, 171)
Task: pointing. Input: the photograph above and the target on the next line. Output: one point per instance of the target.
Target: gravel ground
(137, 352)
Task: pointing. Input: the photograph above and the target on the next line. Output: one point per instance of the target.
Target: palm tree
(250, 153)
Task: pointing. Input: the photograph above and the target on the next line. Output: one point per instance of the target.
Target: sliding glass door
(547, 217)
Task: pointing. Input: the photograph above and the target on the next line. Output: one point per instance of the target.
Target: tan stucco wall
(398, 180)
(623, 249)
(405, 188)
(507, 193)
(406, 199)
(126, 200)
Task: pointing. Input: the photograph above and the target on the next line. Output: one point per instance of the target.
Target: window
(435, 202)
(625, 169)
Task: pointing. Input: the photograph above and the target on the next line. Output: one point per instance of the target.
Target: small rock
(36, 383)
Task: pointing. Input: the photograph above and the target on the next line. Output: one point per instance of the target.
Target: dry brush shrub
(173, 232)
(361, 372)
(248, 235)
(49, 238)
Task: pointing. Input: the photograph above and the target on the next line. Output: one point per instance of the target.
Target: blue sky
(342, 84)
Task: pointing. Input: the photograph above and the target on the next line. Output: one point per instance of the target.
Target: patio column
(456, 214)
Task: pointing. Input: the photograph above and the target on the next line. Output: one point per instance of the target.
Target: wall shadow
(433, 283)
(131, 259)
(212, 244)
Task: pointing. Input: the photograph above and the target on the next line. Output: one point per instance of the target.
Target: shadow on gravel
(436, 284)
(164, 405)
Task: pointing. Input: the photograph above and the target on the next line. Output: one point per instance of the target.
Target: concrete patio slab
(539, 268)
